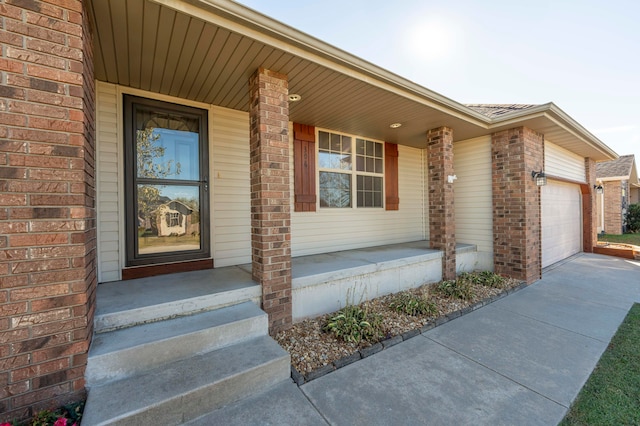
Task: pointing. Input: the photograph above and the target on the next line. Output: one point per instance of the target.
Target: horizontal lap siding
(563, 163)
(229, 176)
(329, 230)
(108, 202)
(473, 199)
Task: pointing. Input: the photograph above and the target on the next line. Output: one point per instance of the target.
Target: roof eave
(552, 112)
(257, 25)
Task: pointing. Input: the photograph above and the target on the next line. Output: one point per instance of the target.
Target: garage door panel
(561, 221)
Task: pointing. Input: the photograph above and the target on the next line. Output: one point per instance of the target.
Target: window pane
(168, 218)
(345, 162)
(377, 199)
(335, 190)
(335, 143)
(324, 159)
(167, 146)
(346, 144)
(370, 150)
(323, 140)
(360, 163)
(377, 184)
(369, 165)
(378, 150)
(378, 166)
(360, 147)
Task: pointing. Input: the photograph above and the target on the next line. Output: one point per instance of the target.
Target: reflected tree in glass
(148, 151)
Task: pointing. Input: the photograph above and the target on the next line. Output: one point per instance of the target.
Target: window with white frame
(345, 163)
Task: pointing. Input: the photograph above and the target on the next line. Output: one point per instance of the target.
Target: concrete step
(187, 389)
(125, 352)
(129, 303)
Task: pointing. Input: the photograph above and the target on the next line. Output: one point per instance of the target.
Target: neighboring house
(172, 218)
(291, 147)
(620, 187)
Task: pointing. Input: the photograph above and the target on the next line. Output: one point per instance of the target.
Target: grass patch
(611, 396)
(624, 238)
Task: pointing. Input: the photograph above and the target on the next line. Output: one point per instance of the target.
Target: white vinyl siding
(330, 230)
(472, 193)
(230, 180)
(108, 200)
(563, 163)
(561, 221)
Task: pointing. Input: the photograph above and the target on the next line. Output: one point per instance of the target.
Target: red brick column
(517, 227)
(442, 229)
(589, 214)
(612, 207)
(47, 216)
(270, 198)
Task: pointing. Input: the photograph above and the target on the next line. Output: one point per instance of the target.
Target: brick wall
(613, 207)
(47, 217)
(517, 224)
(442, 229)
(270, 200)
(589, 206)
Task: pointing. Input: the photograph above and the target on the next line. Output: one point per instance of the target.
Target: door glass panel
(167, 152)
(168, 218)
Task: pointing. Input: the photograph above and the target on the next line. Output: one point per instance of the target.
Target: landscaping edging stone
(301, 379)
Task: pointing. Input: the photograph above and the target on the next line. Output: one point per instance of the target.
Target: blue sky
(582, 55)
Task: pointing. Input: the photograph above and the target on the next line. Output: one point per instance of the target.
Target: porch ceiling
(206, 50)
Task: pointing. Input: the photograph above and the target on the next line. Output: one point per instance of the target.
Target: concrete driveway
(521, 360)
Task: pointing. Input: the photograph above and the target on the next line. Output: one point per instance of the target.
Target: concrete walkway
(521, 360)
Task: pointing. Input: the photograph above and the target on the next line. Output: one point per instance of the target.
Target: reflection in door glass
(168, 218)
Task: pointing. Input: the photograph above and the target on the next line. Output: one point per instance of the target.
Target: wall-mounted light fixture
(599, 189)
(539, 177)
(451, 178)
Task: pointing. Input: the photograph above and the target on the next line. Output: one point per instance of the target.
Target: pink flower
(5, 424)
(60, 422)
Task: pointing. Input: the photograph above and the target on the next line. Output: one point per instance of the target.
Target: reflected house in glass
(172, 218)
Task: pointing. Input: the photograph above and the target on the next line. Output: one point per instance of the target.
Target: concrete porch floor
(153, 298)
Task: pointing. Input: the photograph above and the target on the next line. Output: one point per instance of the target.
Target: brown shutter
(392, 202)
(304, 167)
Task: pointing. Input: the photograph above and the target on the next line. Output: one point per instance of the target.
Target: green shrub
(633, 218)
(460, 288)
(413, 304)
(489, 279)
(354, 324)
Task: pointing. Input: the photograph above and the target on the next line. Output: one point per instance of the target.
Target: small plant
(489, 279)
(460, 288)
(68, 415)
(354, 324)
(413, 304)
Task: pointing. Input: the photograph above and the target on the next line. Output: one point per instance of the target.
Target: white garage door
(561, 221)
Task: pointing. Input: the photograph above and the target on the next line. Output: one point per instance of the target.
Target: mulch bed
(315, 352)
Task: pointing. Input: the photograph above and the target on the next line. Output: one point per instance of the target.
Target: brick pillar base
(270, 198)
(589, 215)
(517, 226)
(47, 198)
(441, 201)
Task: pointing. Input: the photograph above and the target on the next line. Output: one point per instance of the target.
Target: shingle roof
(622, 166)
(496, 110)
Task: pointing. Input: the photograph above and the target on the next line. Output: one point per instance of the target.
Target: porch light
(395, 125)
(539, 177)
(294, 97)
(599, 189)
